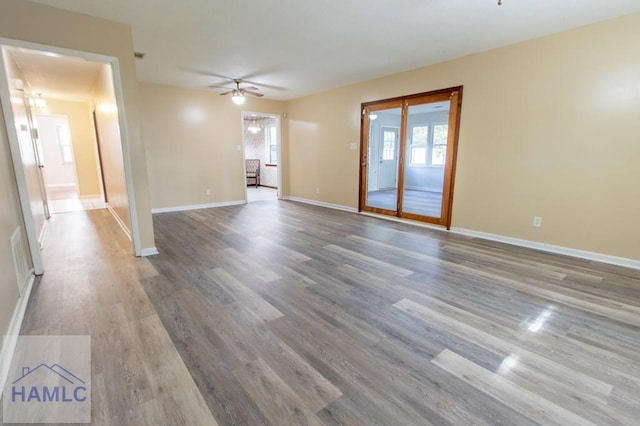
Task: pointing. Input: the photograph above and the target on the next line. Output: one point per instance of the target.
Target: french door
(408, 153)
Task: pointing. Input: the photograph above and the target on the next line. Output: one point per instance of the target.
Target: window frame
(64, 143)
(271, 144)
(432, 143)
(420, 145)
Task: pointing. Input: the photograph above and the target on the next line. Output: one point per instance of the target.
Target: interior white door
(388, 157)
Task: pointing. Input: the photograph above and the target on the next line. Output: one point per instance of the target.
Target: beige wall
(23, 20)
(192, 139)
(110, 146)
(84, 142)
(549, 128)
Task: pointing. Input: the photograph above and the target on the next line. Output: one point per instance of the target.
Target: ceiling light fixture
(499, 2)
(237, 97)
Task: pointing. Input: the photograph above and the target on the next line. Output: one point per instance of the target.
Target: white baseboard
(567, 251)
(149, 251)
(90, 196)
(120, 222)
(321, 204)
(197, 207)
(11, 339)
(61, 185)
(43, 234)
(581, 254)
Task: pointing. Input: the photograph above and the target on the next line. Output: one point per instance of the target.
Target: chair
(253, 170)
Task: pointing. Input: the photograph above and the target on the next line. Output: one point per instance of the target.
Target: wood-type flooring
(424, 203)
(278, 313)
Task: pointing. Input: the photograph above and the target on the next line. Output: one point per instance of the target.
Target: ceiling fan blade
(227, 93)
(213, 86)
(249, 92)
(251, 88)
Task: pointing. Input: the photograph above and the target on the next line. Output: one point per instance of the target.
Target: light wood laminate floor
(282, 313)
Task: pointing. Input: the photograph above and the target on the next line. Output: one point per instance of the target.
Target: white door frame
(279, 149)
(14, 146)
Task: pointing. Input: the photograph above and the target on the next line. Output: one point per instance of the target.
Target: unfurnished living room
(279, 213)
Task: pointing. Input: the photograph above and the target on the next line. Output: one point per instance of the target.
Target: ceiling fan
(237, 94)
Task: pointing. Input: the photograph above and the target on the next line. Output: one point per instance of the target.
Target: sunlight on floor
(76, 205)
(261, 193)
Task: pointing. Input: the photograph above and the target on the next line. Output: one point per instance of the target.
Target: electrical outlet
(537, 222)
(208, 191)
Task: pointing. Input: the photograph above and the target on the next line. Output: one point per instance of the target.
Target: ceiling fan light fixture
(237, 97)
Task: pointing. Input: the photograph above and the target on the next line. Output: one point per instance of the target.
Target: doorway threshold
(405, 221)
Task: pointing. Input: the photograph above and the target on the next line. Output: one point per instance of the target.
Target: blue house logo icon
(48, 383)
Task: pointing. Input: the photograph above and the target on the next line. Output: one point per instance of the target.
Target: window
(419, 139)
(439, 147)
(271, 139)
(388, 144)
(66, 149)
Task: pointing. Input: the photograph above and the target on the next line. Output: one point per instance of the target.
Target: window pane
(271, 137)
(419, 135)
(389, 145)
(419, 139)
(438, 155)
(67, 155)
(440, 133)
(419, 155)
(439, 149)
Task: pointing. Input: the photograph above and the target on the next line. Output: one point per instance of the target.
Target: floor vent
(20, 260)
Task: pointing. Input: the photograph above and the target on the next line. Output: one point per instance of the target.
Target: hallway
(92, 286)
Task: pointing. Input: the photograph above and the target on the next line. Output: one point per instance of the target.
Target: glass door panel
(425, 159)
(382, 158)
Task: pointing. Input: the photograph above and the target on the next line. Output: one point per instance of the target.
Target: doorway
(28, 69)
(62, 167)
(261, 147)
(408, 153)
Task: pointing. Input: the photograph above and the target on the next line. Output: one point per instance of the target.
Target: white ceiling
(57, 76)
(291, 48)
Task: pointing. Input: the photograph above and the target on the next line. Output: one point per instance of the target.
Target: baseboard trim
(321, 204)
(567, 251)
(43, 234)
(11, 339)
(149, 251)
(197, 207)
(120, 222)
(550, 248)
(90, 196)
(404, 220)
